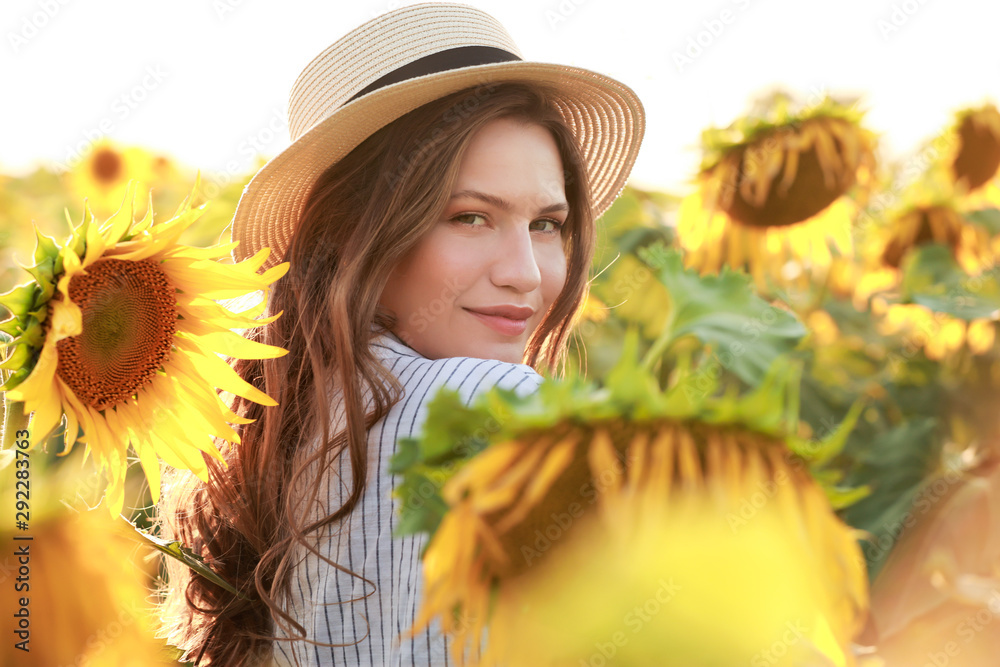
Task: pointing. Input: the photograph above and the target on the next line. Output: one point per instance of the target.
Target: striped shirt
(363, 542)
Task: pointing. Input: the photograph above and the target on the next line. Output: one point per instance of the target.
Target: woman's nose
(513, 261)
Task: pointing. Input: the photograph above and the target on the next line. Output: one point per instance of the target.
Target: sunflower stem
(14, 421)
(661, 344)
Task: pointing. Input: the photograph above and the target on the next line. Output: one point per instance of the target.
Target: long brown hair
(362, 216)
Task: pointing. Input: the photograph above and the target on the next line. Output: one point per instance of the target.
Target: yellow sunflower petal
(234, 345)
(48, 414)
(150, 465)
(605, 466)
(219, 281)
(221, 374)
(212, 252)
(38, 385)
(66, 318)
(559, 457)
(182, 423)
(508, 487)
(198, 308)
(96, 245)
(171, 451)
(72, 421)
(496, 458)
(118, 224)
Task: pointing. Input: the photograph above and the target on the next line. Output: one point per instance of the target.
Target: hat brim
(605, 116)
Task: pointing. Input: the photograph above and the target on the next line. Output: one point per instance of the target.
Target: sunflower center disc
(107, 166)
(129, 320)
(979, 156)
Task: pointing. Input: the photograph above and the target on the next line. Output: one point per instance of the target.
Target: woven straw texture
(605, 116)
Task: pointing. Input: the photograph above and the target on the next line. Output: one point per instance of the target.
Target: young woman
(437, 210)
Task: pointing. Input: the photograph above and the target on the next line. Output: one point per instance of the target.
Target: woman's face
(480, 281)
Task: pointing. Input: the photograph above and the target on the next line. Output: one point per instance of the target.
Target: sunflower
(86, 593)
(927, 213)
(934, 224)
(537, 522)
(773, 192)
(120, 334)
(87, 596)
(928, 210)
(102, 175)
(938, 334)
(973, 153)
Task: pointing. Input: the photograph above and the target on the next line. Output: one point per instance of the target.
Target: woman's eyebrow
(503, 204)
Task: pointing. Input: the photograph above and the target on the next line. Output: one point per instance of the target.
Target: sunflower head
(978, 156)
(103, 174)
(939, 307)
(119, 334)
(789, 173)
(107, 165)
(89, 583)
(777, 187)
(783, 168)
(129, 318)
(922, 225)
(928, 210)
(572, 468)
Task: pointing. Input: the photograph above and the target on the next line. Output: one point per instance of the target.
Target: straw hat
(402, 60)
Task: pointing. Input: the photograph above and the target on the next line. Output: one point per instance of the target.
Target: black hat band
(442, 61)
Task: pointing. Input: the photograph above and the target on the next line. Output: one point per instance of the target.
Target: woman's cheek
(553, 266)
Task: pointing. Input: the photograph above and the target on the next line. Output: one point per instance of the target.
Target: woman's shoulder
(466, 375)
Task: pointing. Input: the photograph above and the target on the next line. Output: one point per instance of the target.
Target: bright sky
(208, 80)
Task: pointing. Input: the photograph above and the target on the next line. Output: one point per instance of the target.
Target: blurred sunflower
(519, 502)
(776, 190)
(164, 169)
(974, 153)
(929, 210)
(85, 610)
(119, 332)
(537, 522)
(895, 255)
(88, 585)
(938, 334)
(932, 224)
(103, 174)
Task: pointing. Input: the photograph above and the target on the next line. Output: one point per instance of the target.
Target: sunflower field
(776, 443)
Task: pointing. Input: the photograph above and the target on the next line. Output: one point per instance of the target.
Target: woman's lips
(508, 326)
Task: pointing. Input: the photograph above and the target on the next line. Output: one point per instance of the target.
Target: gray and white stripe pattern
(364, 544)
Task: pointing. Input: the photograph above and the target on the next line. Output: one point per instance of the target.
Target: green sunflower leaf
(456, 430)
(34, 334)
(12, 327)
(18, 376)
(42, 273)
(821, 451)
(45, 247)
(19, 356)
(746, 334)
(178, 551)
(452, 434)
(933, 279)
(987, 218)
(421, 506)
(841, 498)
(19, 299)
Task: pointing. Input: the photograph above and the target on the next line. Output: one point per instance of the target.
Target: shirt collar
(393, 342)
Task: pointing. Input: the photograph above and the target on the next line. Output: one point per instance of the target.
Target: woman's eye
(469, 219)
(546, 225)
